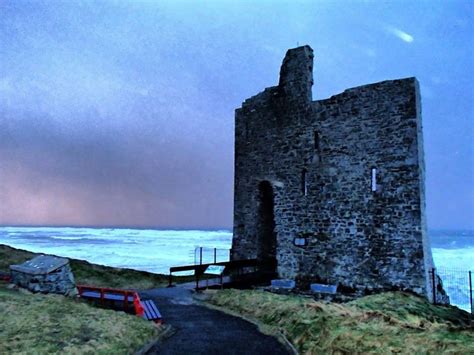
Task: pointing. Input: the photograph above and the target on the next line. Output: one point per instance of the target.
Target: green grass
(45, 324)
(386, 323)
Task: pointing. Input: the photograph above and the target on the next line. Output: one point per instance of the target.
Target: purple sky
(122, 113)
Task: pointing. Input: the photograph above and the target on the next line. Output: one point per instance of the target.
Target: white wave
(67, 237)
(459, 259)
(141, 249)
(157, 250)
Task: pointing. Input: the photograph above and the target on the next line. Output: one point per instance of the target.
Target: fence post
(200, 256)
(470, 291)
(433, 278)
(215, 255)
(197, 279)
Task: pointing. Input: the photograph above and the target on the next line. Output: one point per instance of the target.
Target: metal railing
(205, 255)
(236, 268)
(457, 284)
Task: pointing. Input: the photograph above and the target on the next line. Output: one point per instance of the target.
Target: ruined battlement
(296, 73)
(333, 189)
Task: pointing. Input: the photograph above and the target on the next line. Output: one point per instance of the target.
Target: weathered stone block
(281, 283)
(321, 288)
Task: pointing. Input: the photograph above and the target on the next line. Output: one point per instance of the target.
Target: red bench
(146, 309)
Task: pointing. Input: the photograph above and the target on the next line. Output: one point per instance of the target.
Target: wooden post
(200, 256)
(215, 255)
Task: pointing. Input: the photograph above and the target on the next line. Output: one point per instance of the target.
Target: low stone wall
(36, 278)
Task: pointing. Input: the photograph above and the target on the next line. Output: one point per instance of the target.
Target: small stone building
(333, 189)
(46, 274)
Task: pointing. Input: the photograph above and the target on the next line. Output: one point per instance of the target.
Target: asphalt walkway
(201, 330)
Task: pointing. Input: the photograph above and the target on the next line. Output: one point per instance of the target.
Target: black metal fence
(457, 284)
(204, 255)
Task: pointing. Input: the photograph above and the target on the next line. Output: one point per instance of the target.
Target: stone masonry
(333, 189)
(45, 274)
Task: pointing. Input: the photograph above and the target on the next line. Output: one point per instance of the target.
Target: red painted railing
(5, 277)
(103, 291)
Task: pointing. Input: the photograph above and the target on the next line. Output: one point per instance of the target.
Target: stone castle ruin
(333, 190)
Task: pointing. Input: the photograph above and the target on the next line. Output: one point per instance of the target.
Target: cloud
(404, 36)
(139, 177)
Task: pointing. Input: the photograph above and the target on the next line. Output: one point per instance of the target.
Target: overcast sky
(122, 113)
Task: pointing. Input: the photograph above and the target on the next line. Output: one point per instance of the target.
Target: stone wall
(318, 157)
(60, 280)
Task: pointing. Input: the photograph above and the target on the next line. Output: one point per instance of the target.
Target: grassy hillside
(45, 324)
(91, 274)
(392, 322)
(385, 323)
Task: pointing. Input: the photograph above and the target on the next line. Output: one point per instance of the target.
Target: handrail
(234, 264)
(96, 288)
(5, 277)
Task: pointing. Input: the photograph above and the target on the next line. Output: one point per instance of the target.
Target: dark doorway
(266, 237)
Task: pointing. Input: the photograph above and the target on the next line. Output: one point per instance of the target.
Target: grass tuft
(44, 324)
(391, 322)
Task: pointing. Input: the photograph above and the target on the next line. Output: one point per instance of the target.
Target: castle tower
(333, 189)
(296, 73)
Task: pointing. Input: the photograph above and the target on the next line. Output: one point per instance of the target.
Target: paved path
(200, 330)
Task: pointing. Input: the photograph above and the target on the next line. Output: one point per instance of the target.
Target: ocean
(156, 250)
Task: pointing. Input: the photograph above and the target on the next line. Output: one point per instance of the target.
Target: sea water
(157, 250)
(140, 249)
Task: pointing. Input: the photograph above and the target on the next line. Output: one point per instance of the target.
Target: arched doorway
(266, 237)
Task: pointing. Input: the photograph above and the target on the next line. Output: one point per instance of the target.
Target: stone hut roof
(42, 264)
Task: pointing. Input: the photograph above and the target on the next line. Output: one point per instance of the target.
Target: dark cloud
(129, 178)
(121, 113)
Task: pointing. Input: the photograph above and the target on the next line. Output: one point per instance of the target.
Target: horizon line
(175, 228)
(114, 227)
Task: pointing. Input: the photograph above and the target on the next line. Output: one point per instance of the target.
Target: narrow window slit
(374, 179)
(317, 150)
(316, 141)
(304, 182)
